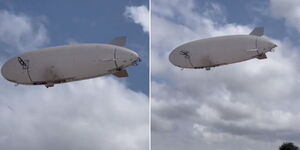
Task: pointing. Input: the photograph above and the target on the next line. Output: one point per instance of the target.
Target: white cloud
(21, 32)
(101, 113)
(140, 15)
(288, 10)
(252, 104)
(81, 115)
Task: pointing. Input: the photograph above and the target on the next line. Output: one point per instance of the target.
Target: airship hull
(218, 51)
(67, 63)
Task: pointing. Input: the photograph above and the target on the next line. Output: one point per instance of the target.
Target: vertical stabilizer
(119, 41)
(258, 31)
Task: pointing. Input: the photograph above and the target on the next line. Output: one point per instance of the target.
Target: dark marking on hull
(187, 56)
(25, 66)
(210, 66)
(53, 81)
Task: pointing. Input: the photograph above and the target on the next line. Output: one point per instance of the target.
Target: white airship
(68, 63)
(217, 51)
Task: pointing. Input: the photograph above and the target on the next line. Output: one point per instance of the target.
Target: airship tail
(121, 74)
(258, 31)
(262, 56)
(119, 41)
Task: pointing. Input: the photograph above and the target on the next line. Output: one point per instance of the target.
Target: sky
(82, 22)
(244, 106)
(100, 113)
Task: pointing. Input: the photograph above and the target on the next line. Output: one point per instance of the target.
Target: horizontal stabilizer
(119, 41)
(121, 74)
(258, 31)
(262, 56)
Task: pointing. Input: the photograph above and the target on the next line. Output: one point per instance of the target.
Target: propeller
(22, 63)
(186, 54)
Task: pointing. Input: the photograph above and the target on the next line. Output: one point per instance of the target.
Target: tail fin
(121, 73)
(258, 31)
(119, 41)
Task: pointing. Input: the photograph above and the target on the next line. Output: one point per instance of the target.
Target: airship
(223, 50)
(68, 63)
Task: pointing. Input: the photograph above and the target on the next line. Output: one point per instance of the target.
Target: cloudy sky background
(101, 113)
(245, 106)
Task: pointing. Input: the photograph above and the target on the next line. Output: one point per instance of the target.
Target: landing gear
(262, 56)
(207, 68)
(49, 84)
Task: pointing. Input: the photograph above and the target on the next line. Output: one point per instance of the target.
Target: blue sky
(91, 21)
(255, 13)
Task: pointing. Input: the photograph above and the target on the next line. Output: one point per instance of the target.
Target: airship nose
(134, 58)
(127, 57)
(180, 57)
(172, 57)
(271, 44)
(7, 72)
(266, 45)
